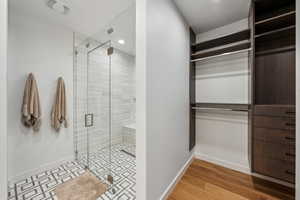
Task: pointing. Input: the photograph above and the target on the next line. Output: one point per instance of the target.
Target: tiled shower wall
(91, 83)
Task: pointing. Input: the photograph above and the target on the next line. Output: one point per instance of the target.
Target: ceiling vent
(59, 6)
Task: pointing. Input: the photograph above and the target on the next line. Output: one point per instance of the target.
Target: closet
(270, 44)
(273, 97)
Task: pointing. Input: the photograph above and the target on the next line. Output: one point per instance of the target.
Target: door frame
(3, 99)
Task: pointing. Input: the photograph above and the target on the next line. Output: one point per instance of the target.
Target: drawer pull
(289, 138)
(289, 172)
(290, 124)
(289, 154)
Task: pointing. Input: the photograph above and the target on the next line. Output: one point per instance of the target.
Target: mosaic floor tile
(122, 167)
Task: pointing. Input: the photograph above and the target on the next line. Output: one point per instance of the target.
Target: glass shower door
(93, 112)
(98, 116)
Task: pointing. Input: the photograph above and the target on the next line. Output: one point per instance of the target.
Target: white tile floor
(123, 170)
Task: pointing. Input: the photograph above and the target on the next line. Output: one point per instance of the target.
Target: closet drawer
(275, 111)
(279, 169)
(274, 122)
(274, 151)
(276, 136)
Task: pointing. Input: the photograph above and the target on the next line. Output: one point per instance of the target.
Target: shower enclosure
(92, 91)
(104, 104)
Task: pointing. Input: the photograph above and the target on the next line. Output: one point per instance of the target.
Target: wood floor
(206, 181)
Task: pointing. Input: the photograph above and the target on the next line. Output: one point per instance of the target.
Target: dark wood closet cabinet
(273, 88)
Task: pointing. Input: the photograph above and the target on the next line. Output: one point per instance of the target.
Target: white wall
(298, 102)
(225, 79)
(46, 50)
(223, 31)
(165, 78)
(141, 100)
(222, 137)
(3, 107)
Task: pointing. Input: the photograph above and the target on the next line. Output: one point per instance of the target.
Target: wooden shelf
(275, 31)
(276, 42)
(229, 39)
(276, 105)
(283, 16)
(277, 50)
(276, 22)
(220, 106)
(239, 48)
(271, 4)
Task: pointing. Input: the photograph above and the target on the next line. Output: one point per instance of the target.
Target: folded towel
(59, 109)
(31, 109)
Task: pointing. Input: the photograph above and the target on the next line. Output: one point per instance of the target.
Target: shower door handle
(89, 120)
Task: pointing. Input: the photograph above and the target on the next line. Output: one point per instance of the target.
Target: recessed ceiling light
(121, 41)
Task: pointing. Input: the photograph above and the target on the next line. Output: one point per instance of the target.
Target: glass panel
(106, 102)
(80, 103)
(123, 102)
(92, 105)
(98, 107)
(121, 33)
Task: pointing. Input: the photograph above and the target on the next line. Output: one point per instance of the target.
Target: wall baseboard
(42, 168)
(177, 178)
(223, 163)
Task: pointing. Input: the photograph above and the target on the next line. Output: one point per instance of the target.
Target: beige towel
(31, 109)
(59, 110)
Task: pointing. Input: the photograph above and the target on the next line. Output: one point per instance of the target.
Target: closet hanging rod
(221, 106)
(223, 54)
(275, 17)
(224, 109)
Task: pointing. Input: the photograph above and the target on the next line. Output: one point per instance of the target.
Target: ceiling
(90, 18)
(205, 15)
(93, 17)
(124, 29)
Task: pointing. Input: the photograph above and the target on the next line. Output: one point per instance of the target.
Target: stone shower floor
(123, 169)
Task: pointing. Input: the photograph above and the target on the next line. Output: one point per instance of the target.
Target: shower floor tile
(123, 169)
